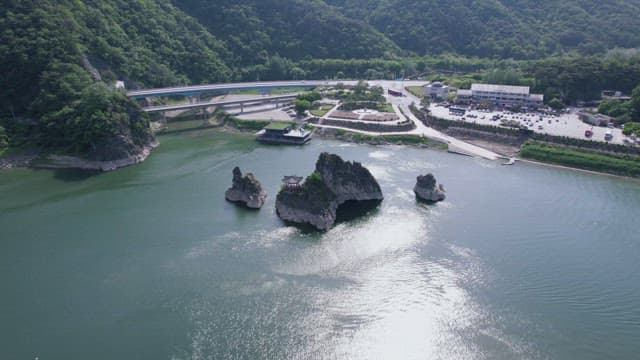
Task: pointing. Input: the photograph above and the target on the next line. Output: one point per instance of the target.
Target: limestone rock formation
(427, 190)
(333, 183)
(246, 190)
(348, 180)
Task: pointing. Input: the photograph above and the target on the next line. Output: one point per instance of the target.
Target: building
(505, 95)
(292, 182)
(614, 95)
(595, 119)
(437, 91)
(283, 133)
(463, 96)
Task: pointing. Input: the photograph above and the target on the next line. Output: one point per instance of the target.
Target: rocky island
(426, 189)
(246, 190)
(333, 183)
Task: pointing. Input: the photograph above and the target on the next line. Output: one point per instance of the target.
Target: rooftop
(436, 84)
(292, 179)
(536, 97)
(276, 125)
(522, 90)
(298, 133)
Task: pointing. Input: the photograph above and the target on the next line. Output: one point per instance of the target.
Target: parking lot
(566, 124)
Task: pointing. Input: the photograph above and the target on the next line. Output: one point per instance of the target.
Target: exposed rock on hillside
(246, 190)
(427, 190)
(333, 183)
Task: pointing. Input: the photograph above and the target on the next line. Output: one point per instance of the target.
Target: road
(227, 87)
(218, 102)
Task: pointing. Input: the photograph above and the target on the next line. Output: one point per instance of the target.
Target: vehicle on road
(608, 136)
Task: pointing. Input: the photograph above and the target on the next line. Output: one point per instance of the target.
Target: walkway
(455, 145)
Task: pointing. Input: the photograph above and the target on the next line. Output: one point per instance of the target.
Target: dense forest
(60, 56)
(521, 29)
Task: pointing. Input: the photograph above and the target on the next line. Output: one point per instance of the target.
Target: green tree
(302, 106)
(634, 104)
(614, 107)
(310, 96)
(556, 104)
(4, 140)
(631, 128)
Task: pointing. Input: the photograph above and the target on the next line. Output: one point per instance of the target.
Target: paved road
(218, 102)
(226, 87)
(456, 145)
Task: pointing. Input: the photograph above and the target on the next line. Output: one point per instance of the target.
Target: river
(150, 262)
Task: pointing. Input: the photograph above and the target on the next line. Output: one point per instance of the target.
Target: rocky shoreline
(53, 161)
(18, 161)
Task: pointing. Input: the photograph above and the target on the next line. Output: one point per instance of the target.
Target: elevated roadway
(220, 103)
(227, 87)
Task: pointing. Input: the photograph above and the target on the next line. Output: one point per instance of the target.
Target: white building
(436, 90)
(464, 96)
(505, 95)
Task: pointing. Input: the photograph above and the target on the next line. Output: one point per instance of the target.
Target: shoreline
(25, 160)
(39, 160)
(564, 167)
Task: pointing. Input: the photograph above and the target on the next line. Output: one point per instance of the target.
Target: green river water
(150, 262)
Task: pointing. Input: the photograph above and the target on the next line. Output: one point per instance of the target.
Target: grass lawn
(416, 90)
(386, 107)
(321, 111)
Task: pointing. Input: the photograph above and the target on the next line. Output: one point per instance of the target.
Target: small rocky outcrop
(426, 189)
(246, 190)
(333, 183)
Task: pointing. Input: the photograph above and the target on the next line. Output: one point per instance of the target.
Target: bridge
(219, 103)
(264, 87)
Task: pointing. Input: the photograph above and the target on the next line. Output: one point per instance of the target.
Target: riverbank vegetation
(626, 111)
(389, 139)
(618, 165)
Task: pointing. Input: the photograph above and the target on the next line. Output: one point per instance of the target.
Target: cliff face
(427, 189)
(314, 203)
(246, 190)
(333, 183)
(348, 180)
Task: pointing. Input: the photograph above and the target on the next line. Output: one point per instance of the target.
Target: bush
(631, 128)
(310, 96)
(620, 165)
(250, 125)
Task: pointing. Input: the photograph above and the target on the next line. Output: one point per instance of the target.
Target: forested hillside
(59, 57)
(55, 55)
(501, 28)
(294, 29)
